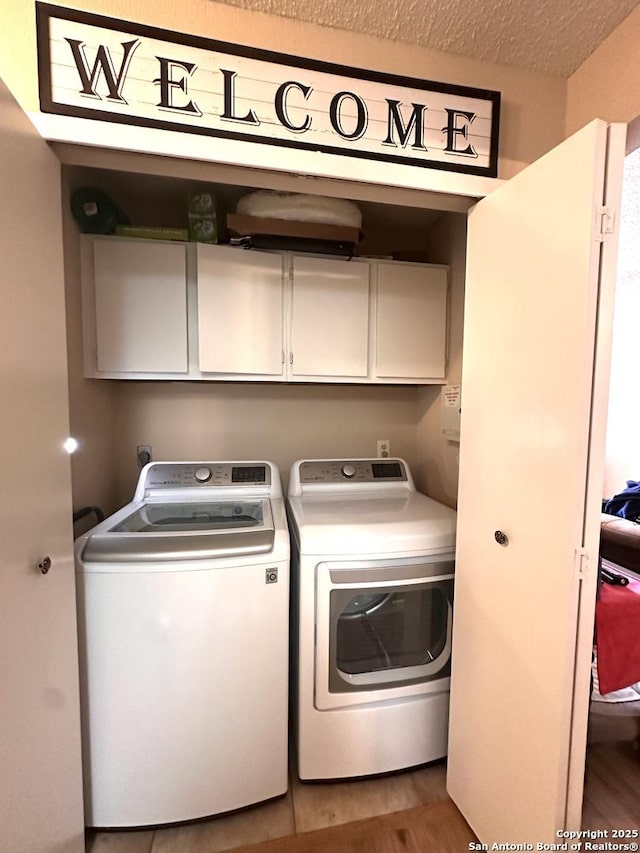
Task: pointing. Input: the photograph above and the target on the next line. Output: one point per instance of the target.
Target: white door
(40, 776)
(329, 318)
(531, 460)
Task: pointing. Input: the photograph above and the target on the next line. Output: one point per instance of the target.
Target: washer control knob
(203, 475)
(348, 471)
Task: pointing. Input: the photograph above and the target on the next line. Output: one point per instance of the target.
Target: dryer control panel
(353, 471)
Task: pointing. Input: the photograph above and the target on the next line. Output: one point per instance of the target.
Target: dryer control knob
(348, 471)
(203, 475)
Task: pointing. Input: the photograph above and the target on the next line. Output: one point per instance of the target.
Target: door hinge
(606, 221)
(581, 563)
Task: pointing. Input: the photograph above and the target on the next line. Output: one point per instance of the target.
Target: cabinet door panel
(411, 322)
(41, 769)
(141, 306)
(330, 318)
(239, 311)
(538, 313)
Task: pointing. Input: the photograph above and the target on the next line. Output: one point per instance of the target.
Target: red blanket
(618, 636)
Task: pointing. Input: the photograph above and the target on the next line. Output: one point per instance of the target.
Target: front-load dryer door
(383, 630)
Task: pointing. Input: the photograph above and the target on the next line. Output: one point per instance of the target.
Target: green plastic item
(203, 219)
(152, 232)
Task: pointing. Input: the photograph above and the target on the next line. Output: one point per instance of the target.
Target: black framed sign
(94, 67)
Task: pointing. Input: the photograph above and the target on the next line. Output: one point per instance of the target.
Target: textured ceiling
(554, 36)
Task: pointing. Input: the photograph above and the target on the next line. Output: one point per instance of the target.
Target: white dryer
(183, 600)
(372, 573)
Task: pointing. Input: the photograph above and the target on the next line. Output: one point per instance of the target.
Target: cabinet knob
(44, 565)
(501, 538)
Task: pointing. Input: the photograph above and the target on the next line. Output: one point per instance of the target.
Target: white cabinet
(135, 307)
(411, 322)
(240, 312)
(159, 310)
(329, 324)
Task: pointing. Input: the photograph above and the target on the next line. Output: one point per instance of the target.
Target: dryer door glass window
(389, 636)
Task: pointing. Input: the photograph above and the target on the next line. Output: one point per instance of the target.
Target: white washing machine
(372, 569)
(183, 599)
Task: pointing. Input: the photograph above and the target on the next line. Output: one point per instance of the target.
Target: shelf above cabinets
(159, 310)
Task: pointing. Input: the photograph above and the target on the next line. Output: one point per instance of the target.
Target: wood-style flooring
(612, 781)
(406, 812)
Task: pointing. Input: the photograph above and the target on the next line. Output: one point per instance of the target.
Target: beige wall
(91, 404)
(606, 84)
(281, 423)
(436, 469)
(533, 103)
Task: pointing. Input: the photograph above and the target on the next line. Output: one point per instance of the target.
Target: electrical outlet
(144, 454)
(384, 447)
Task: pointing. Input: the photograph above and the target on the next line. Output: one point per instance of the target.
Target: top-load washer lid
(365, 507)
(222, 515)
(157, 532)
(190, 511)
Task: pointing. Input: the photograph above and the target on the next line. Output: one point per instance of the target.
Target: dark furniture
(620, 541)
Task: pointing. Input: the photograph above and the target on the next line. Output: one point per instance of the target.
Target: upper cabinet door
(329, 318)
(411, 322)
(531, 460)
(140, 293)
(240, 312)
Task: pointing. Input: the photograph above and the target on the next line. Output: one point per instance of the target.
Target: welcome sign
(102, 68)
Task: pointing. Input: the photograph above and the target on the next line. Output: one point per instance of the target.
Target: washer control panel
(171, 475)
(353, 471)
